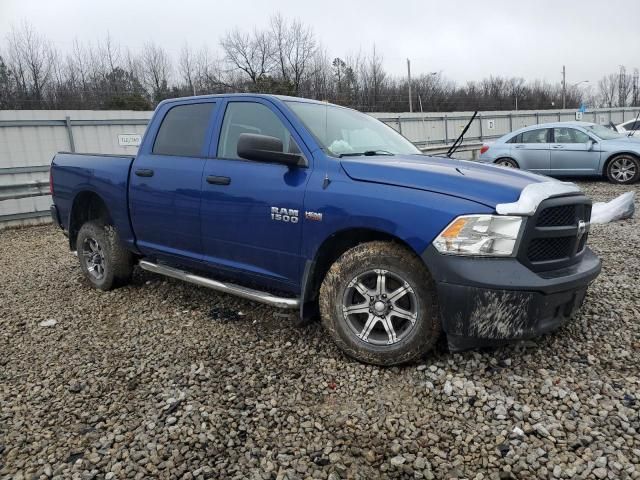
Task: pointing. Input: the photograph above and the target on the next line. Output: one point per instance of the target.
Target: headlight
(486, 235)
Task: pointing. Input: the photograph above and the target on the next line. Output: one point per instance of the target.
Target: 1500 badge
(284, 214)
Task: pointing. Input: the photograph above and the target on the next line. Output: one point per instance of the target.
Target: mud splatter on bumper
(491, 301)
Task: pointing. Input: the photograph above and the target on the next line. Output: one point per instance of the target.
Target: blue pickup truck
(310, 206)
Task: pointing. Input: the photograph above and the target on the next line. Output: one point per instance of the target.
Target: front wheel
(623, 169)
(379, 304)
(103, 259)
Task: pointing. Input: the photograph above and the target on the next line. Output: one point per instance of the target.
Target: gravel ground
(164, 379)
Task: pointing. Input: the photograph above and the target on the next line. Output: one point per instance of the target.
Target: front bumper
(490, 301)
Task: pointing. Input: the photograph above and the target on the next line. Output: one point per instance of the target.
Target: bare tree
(373, 77)
(31, 60)
(156, 70)
(294, 46)
(111, 54)
(187, 68)
(209, 74)
(624, 86)
(607, 89)
(250, 53)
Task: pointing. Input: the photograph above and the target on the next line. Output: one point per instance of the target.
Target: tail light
(484, 149)
(51, 181)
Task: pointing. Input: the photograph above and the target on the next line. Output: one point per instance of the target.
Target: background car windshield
(344, 131)
(603, 133)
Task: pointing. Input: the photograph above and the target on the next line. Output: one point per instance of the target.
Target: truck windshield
(345, 132)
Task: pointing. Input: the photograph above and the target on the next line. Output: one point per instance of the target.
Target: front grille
(545, 249)
(551, 239)
(557, 216)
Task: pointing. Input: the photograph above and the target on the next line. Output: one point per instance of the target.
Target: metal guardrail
(23, 190)
(473, 147)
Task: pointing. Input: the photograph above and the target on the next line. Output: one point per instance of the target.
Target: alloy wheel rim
(623, 169)
(506, 163)
(380, 307)
(93, 255)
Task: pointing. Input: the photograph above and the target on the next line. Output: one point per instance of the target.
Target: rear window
(183, 130)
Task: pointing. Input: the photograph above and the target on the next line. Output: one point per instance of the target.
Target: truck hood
(486, 184)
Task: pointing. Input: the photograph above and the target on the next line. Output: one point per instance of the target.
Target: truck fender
(327, 253)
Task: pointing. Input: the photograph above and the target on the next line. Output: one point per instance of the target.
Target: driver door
(240, 231)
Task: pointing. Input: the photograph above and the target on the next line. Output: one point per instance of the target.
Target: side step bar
(244, 292)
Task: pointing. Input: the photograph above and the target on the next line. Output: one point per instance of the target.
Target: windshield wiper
(459, 140)
(366, 153)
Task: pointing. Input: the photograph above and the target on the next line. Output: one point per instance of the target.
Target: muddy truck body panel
(252, 194)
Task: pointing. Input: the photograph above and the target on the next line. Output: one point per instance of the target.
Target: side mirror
(263, 148)
(590, 145)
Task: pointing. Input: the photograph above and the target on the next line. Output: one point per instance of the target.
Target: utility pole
(409, 79)
(564, 88)
(635, 87)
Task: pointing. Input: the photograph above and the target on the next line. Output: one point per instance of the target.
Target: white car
(629, 126)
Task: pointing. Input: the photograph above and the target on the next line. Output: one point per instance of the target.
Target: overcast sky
(466, 40)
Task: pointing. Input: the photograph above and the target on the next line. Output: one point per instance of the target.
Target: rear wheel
(103, 259)
(623, 169)
(379, 304)
(507, 162)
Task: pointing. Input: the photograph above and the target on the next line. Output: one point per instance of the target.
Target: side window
(631, 126)
(535, 136)
(516, 139)
(250, 117)
(569, 135)
(183, 130)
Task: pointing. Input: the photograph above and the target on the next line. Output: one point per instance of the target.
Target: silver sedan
(568, 149)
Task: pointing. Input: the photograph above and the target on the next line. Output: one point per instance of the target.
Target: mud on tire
(103, 259)
(369, 280)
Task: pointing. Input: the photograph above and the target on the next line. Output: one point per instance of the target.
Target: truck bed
(106, 175)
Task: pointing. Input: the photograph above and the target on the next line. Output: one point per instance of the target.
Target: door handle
(144, 172)
(557, 146)
(216, 180)
(519, 146)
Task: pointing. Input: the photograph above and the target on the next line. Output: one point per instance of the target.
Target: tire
(623, 169)
(103, 259)
(358, 271)
(507, 162)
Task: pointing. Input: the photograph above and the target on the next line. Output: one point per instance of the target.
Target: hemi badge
(315, 216)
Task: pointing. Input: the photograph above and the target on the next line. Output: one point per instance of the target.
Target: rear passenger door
(240, 231)
(572, 153)
(531, 150)
(166, 181)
